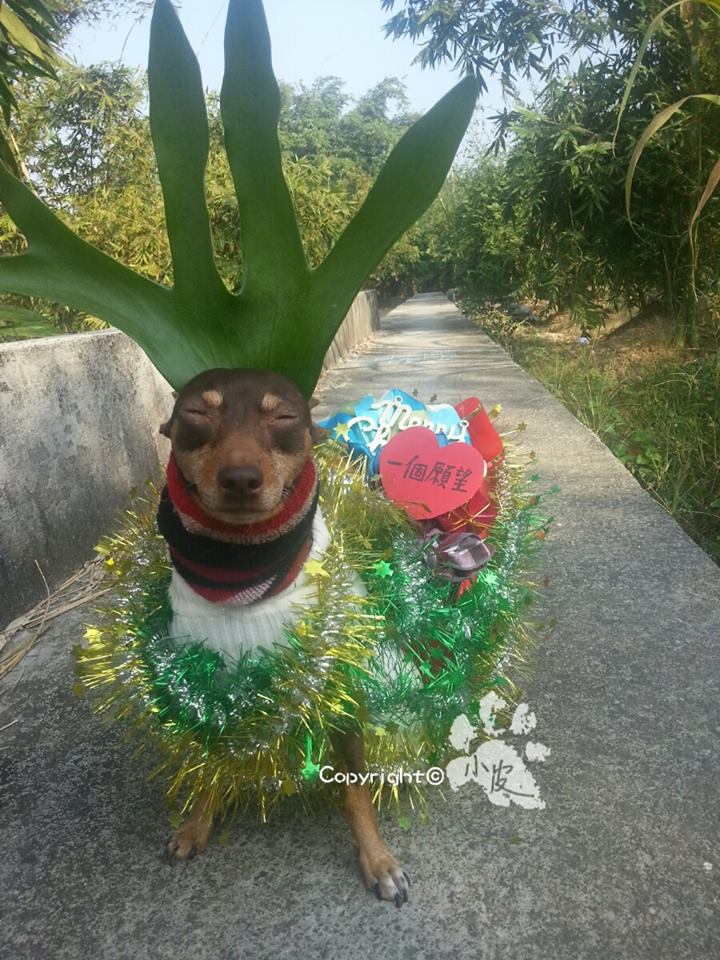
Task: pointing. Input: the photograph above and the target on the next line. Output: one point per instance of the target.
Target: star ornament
(342, 431)
(315, 568)
(310, 770)
(382, 569)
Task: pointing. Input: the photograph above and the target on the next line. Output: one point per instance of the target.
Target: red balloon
(483, 435)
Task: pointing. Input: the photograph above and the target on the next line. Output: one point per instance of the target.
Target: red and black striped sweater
(237, 565)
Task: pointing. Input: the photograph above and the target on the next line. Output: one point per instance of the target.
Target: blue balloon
(368, 428)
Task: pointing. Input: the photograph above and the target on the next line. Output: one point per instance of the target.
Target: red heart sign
(428, 479)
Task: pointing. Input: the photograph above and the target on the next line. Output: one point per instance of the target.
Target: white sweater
(233, 630)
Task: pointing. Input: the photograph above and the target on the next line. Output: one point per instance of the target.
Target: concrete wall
(79, 418)
(362, 318)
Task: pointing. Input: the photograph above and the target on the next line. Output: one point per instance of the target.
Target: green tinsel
(403, 660)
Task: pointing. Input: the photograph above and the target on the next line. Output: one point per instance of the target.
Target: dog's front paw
(384, 875)
(190, 839)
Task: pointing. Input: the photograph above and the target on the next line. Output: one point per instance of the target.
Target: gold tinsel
(260, 728)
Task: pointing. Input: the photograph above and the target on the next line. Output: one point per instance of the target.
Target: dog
(241, 474)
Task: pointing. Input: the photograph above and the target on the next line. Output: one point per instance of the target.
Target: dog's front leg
(381, 871)
(192, 837)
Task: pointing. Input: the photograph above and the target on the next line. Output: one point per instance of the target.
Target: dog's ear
(164, 428)
(318, 434)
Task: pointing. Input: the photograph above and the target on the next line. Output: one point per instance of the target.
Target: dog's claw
(166, 856)
(386, 878)
(407, 878)
(188, 841)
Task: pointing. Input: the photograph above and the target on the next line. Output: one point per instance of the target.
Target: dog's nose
(240, 481)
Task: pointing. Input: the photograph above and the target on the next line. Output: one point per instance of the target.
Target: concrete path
(622, 863)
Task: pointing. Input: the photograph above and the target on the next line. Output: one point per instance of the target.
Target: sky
(310, 38)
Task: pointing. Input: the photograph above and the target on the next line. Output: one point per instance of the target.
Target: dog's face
(241, 438)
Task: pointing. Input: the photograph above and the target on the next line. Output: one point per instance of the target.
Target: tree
(333, 148)
(468, 232)
(86, 144)
(77, 135)
(517, 38)
(368, 131)
(310, 118)
(564, 165)
(704, 72)
(31, 32)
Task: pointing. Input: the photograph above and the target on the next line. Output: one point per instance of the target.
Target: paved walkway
(622, 863)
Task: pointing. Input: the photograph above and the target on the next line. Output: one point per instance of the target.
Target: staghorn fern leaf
(181, 141)
(285, 316)
(250, 104)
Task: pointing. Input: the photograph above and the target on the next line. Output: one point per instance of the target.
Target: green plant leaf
(19, 34)
(657, 122)
(274, 260)
(10, 313)
(178, 121)
(647, 37)
(406, 186)
(19, 323)
(285, 316)
(710, 186)
(59, 266)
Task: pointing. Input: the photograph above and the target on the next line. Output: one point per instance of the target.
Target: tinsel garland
(403, 654)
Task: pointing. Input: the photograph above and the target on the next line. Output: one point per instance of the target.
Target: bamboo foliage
(656, 124)
(666, 114)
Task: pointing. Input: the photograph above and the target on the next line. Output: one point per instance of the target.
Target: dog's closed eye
(194, 412)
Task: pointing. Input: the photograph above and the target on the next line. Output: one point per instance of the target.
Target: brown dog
(241, 441)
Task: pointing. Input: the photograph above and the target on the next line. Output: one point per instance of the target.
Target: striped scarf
(242, 564)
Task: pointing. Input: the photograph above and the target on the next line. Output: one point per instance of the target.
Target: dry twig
(76, 591)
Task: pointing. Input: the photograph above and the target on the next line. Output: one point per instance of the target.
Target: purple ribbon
(457, 556)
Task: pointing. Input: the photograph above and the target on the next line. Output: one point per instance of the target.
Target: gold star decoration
(342, 431)
(315, 568)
